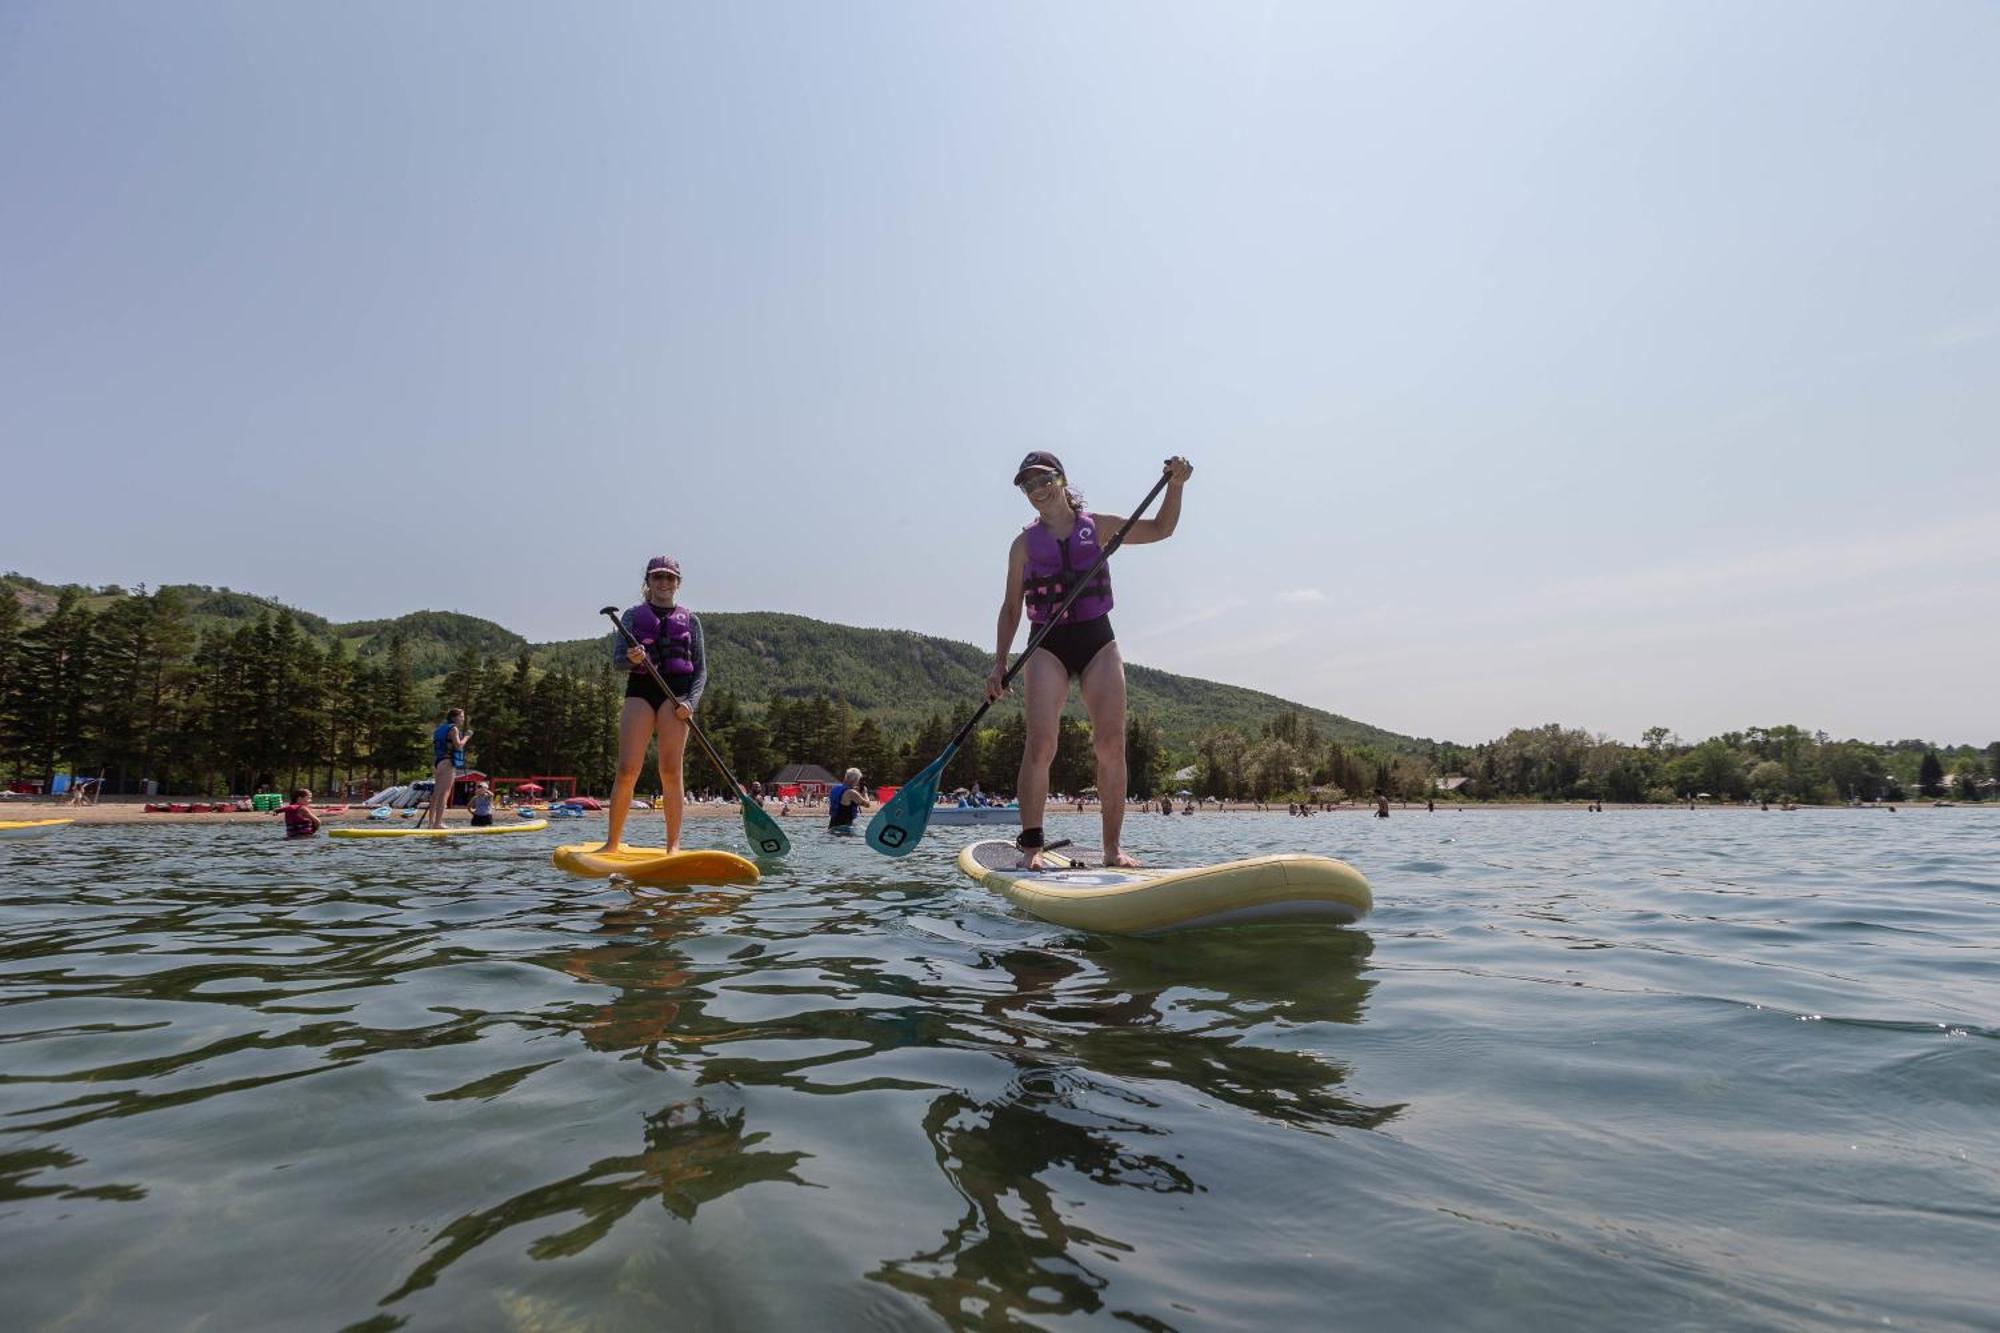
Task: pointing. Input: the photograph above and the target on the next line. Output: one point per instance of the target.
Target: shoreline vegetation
(201, 693)
(124, 811)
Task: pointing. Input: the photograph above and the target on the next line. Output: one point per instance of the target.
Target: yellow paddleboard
(655, 865)
(30, 828)
(455, 831)
(1155, 900)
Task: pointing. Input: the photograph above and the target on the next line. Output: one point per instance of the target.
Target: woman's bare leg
(673, 786)
(1104, 700)
(635, 728)
(1045, 687)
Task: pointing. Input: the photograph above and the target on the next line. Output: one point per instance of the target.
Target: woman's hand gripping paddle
(899, 825)
(766, 838)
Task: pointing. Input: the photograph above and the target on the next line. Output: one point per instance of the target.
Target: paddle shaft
(1076, 591)
(611, 613)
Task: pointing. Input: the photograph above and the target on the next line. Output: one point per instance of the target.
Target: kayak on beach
(30, 828)
(457, 831)
(655, 865)
(1157, 900)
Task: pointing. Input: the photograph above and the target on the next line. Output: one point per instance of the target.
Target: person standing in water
(300, 821)
(1045, 562)
(845, 801)
(671, 635)
(448, 742)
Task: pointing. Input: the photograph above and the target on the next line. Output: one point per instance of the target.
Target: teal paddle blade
(766, 838)
(899, 825)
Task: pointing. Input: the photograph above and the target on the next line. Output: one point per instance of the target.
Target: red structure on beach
(560, 785)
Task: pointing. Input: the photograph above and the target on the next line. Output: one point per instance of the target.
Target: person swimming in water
(1044, 564)
(845, 801)
(300, 821)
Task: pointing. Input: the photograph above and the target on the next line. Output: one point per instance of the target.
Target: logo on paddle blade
(892, 835)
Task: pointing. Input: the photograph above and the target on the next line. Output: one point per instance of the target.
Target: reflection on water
(1539, 1088)
(692, 1155)
(1090, 1038)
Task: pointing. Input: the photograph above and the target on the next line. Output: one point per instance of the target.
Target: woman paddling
(448, 743)
(672, 635)
(1043, 565)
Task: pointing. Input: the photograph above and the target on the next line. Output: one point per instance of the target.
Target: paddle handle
(1076, 591)
(611, 613)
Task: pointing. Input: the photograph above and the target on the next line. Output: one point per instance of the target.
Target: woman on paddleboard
(448, 743)
(1043, 565)
(672, 637)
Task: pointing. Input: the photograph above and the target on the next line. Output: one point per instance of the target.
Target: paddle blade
(899, 825)
(766, 838)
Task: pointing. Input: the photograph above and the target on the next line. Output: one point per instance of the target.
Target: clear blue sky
(1605, 364)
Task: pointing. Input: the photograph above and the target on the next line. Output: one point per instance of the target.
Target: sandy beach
(134, 812)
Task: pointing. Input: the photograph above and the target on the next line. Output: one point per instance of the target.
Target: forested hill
(895, 676)
(899, 678)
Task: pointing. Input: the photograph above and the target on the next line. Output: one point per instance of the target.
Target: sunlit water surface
(1637, 1069)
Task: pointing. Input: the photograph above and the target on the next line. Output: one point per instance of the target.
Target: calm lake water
(1656, 1069)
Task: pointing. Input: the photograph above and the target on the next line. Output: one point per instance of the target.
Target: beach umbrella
(1183, 792)
(531, 787)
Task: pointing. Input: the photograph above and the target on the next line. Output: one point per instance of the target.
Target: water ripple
(1652, 1068)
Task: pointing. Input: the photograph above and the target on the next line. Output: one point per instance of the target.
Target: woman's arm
(1010, 615)
(1161, 526)
(698, 652)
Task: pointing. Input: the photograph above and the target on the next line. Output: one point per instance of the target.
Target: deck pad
(655, 865)
(1157, 900)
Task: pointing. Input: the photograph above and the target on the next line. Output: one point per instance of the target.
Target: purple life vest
(668, 639)
(1054, 568)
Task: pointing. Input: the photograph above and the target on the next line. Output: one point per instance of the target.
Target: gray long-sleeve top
(697, 651)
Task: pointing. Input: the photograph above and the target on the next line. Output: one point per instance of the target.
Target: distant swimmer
(1381, 805)
(845, 801)
(300, 821)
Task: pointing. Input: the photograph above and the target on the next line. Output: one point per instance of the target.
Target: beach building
(803, 780)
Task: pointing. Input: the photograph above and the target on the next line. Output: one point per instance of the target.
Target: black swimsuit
(641, 685)
(1074, 645)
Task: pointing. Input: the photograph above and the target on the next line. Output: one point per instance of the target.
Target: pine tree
(1930, 775)
(49, 687)
(10, 643)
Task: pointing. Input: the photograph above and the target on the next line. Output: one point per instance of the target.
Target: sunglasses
(1041, 481)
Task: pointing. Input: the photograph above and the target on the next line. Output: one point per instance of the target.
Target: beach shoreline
(130, 812)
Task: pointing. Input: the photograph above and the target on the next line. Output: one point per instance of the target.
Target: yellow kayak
(1153, 900)
(30, 828)
(655, 865)
(456, 831)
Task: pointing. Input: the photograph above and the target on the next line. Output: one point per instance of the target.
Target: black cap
(1038, 461)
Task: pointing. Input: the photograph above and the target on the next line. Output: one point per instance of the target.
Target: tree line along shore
(139, 692)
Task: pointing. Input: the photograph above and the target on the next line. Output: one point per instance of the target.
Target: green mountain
(899, 678)
(894, 676)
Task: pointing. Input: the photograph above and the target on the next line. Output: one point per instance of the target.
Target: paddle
(766, 838)
(901, 821)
